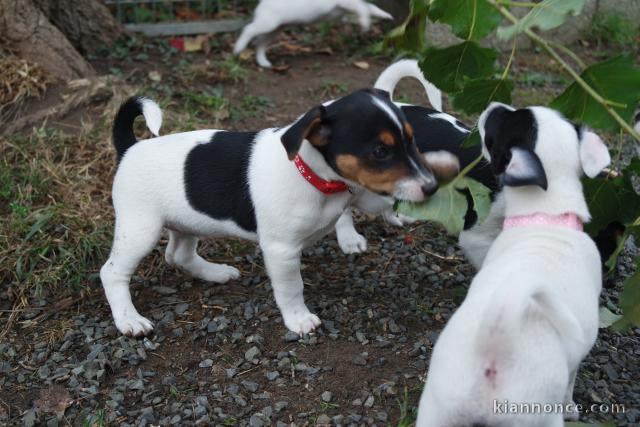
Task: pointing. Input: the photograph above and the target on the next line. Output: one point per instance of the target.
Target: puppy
(254, 185)
(271, 15)
(531, 314)
(439, 137)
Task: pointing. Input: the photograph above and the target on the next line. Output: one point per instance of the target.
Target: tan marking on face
(387, 138)
(381, 181)
(408, 130)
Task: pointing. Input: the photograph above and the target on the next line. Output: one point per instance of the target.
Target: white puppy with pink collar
(531, 314)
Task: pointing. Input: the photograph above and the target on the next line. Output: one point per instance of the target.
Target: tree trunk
(52, 33)
(86, 24)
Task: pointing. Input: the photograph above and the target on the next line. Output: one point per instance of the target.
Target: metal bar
(186, 28)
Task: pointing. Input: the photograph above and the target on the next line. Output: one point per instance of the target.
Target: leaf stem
(569, 52)
(467, 169)
(518, 3)
(544, 44)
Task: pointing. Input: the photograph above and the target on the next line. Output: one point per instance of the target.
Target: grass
(55, 227)
(408, 414)
(612, 30)
(96, 420)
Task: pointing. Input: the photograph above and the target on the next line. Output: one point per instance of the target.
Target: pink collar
(569, 220)
(326, 187)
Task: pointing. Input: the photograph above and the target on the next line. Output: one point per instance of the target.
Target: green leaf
(410, 35)
(615, 80)
(472, 140)
(447, 67)
(612, 200)
(449, 205)
(630, 302)
(607, 318)
(578, 424)
(477, 94)
(546, 15)
(469, 19)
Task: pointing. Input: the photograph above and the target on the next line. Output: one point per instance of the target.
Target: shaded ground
(220, 354)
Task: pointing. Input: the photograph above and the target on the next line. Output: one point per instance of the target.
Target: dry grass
(19, 80)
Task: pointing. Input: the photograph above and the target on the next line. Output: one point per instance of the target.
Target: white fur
(531, 314)
(271, 15)
(395, 72)
(152, 115)
(149, 195)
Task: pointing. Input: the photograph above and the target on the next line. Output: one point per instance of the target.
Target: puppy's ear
(310, 127)
(524, 168)
(594, 155)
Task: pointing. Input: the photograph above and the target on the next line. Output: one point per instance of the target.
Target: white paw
(573, 415)
(301, 322)
(133, 324)
(352, 243)
(219, 273)
(264, 63)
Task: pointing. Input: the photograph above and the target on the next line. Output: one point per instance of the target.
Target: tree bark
(86, 24)
(27, 32)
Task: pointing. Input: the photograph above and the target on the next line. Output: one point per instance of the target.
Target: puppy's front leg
(349, 240)
(283, 266)
(574, 415)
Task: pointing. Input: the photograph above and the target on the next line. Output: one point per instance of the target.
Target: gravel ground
(220, 354)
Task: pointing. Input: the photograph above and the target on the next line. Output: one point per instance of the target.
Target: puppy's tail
(395, 72)
(123, 136)
(510, 310)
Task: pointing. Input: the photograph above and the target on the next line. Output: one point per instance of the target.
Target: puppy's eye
(381, 153)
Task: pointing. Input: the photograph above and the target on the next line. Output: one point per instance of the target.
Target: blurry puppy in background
(271, 15)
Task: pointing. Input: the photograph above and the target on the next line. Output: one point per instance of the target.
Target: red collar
(324, 186)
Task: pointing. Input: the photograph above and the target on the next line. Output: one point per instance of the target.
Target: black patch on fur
(216, 181)
(123, 136)
(505, 129)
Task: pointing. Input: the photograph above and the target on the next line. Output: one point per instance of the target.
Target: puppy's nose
(429, 189)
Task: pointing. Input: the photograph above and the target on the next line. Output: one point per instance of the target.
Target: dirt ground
(220, 354)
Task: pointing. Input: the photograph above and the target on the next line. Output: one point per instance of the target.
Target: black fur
(216, 182)
(123, 136)
(505, 129)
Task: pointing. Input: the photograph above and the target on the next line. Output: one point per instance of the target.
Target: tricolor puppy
(271, 15)
(282, 187)
(439, 137)
(531, 314)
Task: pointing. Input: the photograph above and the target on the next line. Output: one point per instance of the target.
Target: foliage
(612, 29)
(602, 95)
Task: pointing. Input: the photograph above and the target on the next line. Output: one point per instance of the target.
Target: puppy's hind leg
(262, 43)
(133, 240)
(181, 252)
(573, 415)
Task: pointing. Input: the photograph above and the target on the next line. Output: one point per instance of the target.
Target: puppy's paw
(219, 273)
(302, 322)
(352, 243)
(133, 325)
(572, 415)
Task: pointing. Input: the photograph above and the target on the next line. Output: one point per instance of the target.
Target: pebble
(326, 396)
(252, 353)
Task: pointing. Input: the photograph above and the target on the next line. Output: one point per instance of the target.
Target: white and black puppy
(212, 183)
(439, 137)
(531, 314)
(271, 15)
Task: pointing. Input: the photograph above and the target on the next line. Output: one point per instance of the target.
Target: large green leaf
(630, 301)
(449, 205)
(616, 80)
(545, 15)
(447, 67)
(477, 94)
(409, 36)
(469, 19)
(612, 200)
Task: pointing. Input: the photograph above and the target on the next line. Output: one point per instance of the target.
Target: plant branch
(546, 45)
(467, 169)
(518, 3)
(569, 52)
